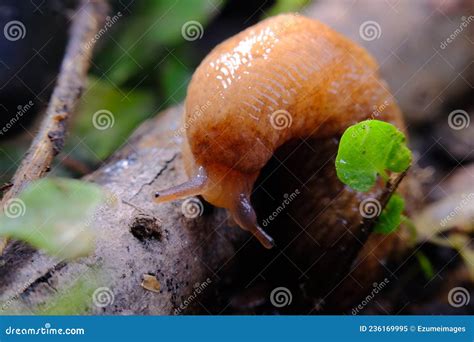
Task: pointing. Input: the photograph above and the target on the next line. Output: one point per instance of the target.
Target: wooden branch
(71, 80)
(389, 190)
(136, 239)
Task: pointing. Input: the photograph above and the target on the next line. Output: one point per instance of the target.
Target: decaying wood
(49, 140)
(136, 238)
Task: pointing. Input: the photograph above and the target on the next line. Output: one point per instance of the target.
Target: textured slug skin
(285, 78)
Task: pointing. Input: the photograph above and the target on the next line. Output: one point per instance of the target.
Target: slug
(287, 77)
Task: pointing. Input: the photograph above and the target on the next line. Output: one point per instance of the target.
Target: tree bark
(135, 237)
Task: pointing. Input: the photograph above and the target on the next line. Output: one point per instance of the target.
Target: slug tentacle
(194, 186)
(244, 215)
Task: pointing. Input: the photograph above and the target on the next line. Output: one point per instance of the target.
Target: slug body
(288, 77)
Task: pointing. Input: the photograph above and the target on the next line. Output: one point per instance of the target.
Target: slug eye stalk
(244, 215)
(193, 187)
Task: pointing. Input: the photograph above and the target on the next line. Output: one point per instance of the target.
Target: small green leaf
(53, 215)
(369, 148)
(391, 216)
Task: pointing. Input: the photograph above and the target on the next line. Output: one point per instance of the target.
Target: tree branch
(71, 80)
(136, 239)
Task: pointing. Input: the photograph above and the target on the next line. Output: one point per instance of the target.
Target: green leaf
(154, 27)
(53, 215)
(391, 216)
(284, 6)
(369, 148)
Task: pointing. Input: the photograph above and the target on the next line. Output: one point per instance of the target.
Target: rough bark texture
(135, 236)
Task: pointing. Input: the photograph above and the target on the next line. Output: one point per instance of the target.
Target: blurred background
(148, 49)
(144, 59)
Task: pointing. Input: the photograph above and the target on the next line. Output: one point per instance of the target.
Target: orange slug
(287, 77)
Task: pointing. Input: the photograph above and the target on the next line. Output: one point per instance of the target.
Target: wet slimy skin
(287, 77)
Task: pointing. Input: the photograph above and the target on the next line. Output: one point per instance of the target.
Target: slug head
(224, 188)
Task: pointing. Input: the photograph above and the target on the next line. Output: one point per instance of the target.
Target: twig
(76, 166)
(391, 187)
(388, 191)
(50, 139)
(5, 187)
